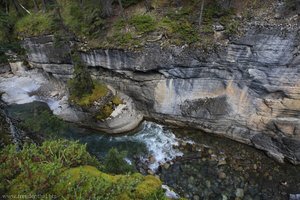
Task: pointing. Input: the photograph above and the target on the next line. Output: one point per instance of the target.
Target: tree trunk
(16, 5)
(148, 5)
(121, 7)
(106, 7)
(44, 6)
(201, 13)
(7, 6)
(36, 8)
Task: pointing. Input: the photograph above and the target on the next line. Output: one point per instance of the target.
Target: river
(196, 165)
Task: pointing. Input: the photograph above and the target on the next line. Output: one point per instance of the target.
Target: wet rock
(294, 197)
(166, 165)
(222, 162)
(224, 197)
(152, 159)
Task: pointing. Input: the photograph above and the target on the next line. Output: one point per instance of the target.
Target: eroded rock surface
(248, 90)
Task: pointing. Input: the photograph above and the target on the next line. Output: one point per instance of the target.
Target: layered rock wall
(248, 90)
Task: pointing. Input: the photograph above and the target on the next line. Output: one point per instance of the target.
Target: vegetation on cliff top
(128, 23)
(65, 170)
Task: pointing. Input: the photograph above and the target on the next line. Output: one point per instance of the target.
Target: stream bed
(196, 165)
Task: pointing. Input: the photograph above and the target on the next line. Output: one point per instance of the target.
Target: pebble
(222, 175)
(224, 197)
(166, 165)
(239, 193)
(152, 159)
(255, 166)
(208, 184)
(222, 162)
(196, 197)
(191, 180)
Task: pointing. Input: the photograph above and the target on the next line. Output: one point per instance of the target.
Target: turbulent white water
(161, 144)
(16, 89)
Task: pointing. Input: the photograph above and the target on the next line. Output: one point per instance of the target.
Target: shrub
(115, 162)
(127, 3)
(143, 23)
(35, 24)
(100, 90)
(65, 170)
(37, 166)
(105, 112)
(182, 30)
(83, 20)
(117, 100)
(44, 122)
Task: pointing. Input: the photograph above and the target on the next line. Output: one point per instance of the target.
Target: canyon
(247, 90)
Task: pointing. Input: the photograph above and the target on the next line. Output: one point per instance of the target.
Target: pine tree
(82, 82)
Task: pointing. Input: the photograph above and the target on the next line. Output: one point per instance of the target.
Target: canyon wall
(247, 90)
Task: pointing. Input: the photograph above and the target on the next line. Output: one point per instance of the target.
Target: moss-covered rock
(148, 187)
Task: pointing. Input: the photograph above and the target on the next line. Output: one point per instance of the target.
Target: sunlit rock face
(248, 90)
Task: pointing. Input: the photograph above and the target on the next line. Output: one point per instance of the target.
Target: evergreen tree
(82, 82)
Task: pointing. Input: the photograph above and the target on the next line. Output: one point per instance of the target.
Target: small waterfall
(16, 134)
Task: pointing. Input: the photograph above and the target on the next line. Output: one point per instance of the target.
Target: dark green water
(209, 168)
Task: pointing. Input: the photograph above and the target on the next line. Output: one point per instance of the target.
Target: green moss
(148, 187)
(181, 30)
(105, 112)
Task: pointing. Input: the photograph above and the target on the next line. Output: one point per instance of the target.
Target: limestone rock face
(248, 90)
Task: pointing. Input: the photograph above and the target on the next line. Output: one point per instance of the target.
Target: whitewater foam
(160, 142)
(17, 89)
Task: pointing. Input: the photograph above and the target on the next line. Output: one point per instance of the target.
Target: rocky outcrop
(248, 90)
